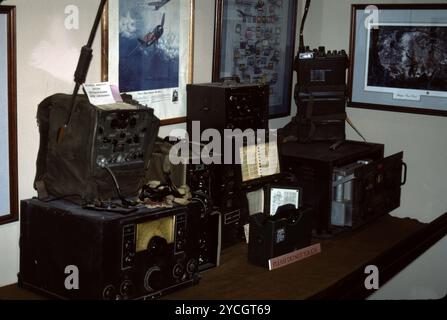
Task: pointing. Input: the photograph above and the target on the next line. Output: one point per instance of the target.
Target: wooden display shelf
(336, 273)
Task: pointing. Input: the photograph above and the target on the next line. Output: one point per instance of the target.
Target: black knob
(191, 266)
(126, 288)
(136, 139)
(128, 245)
(109, 293)
(180, 245)
(129, 258)
(178, 271)
(157, 247)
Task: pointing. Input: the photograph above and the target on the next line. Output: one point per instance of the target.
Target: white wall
(47, 54)
(46, 58)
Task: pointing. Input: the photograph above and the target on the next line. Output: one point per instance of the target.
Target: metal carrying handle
(230, 79)
(405, 167)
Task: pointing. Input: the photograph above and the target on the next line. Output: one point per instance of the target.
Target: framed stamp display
(255, 42)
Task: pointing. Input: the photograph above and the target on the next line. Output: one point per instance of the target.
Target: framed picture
(399, 58)
(255, 42)
(147, 50)
(9, 210)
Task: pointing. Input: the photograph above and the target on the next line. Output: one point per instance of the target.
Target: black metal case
(220, 106)
(275, 236)
(320, 95)
(120, 137)
(228, 105)
(139, 256)
(314, 163)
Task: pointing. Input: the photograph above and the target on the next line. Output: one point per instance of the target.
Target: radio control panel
(121, 138)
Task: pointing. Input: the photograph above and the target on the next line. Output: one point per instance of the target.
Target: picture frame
(255, 42)
(9, 205)
(148, 50)
(398, 58)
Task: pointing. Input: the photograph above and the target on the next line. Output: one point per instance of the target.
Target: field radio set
(320, 94)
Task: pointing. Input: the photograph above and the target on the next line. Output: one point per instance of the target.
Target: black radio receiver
(142, 255)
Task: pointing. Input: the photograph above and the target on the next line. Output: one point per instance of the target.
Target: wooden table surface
(336, 273)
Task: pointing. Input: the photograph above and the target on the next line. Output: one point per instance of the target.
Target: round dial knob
(129, 258)
(191, 266)
(101, 162)
(178, 271)
(153, 280)
(157, 247)
(126, 288)
(109, 293)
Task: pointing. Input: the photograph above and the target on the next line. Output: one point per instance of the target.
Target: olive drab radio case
(119, 136)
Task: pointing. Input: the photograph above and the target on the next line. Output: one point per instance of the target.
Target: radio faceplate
(121, 138)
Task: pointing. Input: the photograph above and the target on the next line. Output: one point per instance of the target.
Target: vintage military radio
(228, 105)
(142, 255)
(100, 140)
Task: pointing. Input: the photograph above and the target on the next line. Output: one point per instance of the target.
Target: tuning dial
(153, 280)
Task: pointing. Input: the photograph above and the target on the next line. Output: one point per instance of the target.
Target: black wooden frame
(10, 12)
(361, 105)
(218, 47)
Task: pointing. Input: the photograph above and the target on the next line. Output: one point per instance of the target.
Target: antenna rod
(302, 48)
(84, 62)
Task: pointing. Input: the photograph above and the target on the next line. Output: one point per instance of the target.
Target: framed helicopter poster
(147, 50)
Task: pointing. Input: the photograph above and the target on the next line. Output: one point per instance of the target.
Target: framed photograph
(255, 42)
(399, 58)
(147, 50)
(9, 209)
